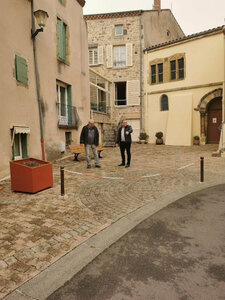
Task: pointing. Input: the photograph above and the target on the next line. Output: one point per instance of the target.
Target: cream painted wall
(204, 67)
(19, 104)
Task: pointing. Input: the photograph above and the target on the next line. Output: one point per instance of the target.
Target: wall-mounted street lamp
(41, 18)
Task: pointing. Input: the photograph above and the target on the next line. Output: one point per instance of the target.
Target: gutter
(37, 82)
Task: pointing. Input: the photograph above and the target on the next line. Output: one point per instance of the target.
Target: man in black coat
(90, 138)
(124, 141)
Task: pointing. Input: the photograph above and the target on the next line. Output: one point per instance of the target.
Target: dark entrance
(214, 110)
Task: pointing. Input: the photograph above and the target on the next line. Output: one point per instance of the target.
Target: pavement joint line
(132, 177)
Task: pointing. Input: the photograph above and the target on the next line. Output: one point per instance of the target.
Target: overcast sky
(192, 15)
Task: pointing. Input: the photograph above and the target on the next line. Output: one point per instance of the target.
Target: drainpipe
(37, 82)
(140, 37)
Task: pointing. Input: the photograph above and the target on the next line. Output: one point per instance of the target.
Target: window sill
(60, 60)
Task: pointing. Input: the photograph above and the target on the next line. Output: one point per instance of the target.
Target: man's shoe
(121, 165)
(127, 165)
(88, 167)
(97, 166)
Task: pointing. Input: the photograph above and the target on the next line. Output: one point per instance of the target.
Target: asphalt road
(178, 253)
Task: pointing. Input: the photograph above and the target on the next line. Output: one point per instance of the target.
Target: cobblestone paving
(36, 230)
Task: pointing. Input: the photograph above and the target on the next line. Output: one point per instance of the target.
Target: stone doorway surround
(202, 108)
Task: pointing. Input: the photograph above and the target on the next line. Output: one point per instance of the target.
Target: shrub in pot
(196, 140)
(143, 137)
(159, 139)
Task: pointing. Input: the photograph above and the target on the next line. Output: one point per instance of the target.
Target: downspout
(37, 81)
(140, 37)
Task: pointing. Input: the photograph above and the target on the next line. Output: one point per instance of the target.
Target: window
(93, 56)
(68, 138)
(153, 74)
(62, 2)
(19, 142)
(21, 69)
(61, 36)
(119, 30)
(119, 56)
(64, 104)
(173, 69)
(181, 68)
(160, 72)
(164, 103)
(99, 88)
(120, 93)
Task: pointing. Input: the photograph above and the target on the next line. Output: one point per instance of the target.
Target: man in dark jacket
(124, 141)
(90, 138)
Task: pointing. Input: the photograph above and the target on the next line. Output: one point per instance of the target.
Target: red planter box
(30, 175)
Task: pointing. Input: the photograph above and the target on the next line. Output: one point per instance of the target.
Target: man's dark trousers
(123, 146)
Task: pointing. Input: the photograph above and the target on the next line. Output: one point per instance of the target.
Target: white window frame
(91, 52)
(118, 27)
(119, 61)
(63, 120)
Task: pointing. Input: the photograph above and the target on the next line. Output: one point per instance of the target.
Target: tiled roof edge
(188, 37)
(81, 2)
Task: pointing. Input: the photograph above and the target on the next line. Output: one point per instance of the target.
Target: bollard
(201, 169)
(62, 181)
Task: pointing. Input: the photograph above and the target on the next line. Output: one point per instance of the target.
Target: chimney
(157, 5)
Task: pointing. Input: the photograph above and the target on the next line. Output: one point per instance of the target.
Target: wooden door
(214, 121)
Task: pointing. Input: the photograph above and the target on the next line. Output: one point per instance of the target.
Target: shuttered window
(19, 145)
(133, 92)
(93, 56)
(119, 56)
(61, 37)
(21, 69)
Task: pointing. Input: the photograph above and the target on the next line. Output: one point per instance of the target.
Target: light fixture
(41, 18)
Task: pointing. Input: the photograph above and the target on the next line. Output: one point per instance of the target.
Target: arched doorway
(210, 109)
(214, 119)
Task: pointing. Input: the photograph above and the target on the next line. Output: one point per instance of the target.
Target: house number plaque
(214, 120)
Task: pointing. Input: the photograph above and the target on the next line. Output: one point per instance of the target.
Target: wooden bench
(78, 149)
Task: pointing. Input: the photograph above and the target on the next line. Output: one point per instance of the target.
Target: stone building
(184, 89)
(44, 80)
(116, 42)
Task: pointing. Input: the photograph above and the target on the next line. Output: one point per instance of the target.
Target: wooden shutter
(21, 69)
(69, 105)
(100, 55)
(109, 57)
(133, 92)
(24, 144)
(129, 54)
(61, 36)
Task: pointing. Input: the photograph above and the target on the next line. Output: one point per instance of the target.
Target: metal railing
(67, 116)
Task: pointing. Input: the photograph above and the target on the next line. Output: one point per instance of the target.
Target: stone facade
(139, 29)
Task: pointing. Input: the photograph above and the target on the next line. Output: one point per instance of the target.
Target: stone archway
(202, 108)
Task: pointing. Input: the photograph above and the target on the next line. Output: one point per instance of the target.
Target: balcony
(67, 116)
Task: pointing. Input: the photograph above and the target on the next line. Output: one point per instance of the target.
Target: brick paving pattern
(37, 229)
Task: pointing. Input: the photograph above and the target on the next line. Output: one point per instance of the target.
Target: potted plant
(196, 140)
(143, 137)
(159, 139)
(30, 175)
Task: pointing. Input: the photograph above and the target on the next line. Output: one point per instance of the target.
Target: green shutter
(21, 69)
(11, 132)
(61, 34)
(24, 145)
(69, 105)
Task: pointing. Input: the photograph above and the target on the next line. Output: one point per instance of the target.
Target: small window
(62, 2)
(21, 69)
(181, 68)
(119, 56)
(173, 69)
(61, 36)
(160, 72)
(164, 103)
(121, 93)
(119, 30)
(68, 137)
(19, 145)
(93, 56)
(153, 74)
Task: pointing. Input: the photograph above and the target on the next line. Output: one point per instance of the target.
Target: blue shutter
(24, 145)
(61, 36)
